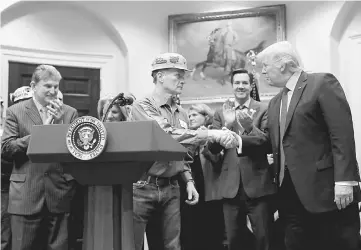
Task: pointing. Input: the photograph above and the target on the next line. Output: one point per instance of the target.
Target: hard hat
(169, 61)
(21, 93)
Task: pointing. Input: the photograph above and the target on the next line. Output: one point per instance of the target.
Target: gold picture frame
(203, 39)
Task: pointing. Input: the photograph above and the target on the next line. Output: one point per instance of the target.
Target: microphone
(122, 100)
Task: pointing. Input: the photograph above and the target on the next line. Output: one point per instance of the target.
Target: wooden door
(80, 86)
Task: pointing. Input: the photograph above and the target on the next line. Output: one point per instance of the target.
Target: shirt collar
(38, 105)
(291, 83)
(246, 104)
(162, 100)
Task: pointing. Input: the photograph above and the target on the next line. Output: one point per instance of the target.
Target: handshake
(225, 137)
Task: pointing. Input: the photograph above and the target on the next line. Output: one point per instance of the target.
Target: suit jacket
(211, 168)
(253, 168)
(34, 184)
(319, 140)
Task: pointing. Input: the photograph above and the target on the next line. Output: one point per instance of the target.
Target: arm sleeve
(12, 145)
(337, 116)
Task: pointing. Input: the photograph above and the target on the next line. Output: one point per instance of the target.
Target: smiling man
(246, 181)
(40, 193)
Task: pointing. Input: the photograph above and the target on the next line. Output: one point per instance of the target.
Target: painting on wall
(216, 43)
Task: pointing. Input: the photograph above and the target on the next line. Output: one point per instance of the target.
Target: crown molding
(356, 37)
(8, 50)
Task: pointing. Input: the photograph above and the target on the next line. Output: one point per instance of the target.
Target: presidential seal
(86, 138)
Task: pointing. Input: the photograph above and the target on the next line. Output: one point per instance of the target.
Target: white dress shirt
(236, 106)
(41, 109)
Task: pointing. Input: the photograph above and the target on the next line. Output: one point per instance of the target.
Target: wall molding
(356, 37)
(40, 56)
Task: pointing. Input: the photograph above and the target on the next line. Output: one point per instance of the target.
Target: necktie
(283, 117)
(43, 114)
(240, 127)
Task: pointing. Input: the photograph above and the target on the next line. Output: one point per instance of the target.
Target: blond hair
(281, 53)
(204, 110)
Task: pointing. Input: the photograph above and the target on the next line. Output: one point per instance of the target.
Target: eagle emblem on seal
(86, 138)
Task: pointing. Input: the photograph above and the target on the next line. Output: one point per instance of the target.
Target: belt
(160, 181)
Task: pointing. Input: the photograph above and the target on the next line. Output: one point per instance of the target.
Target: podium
(132, 148)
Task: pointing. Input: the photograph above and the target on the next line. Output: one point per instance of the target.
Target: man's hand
(229, 113)
(193, 195)
(55, 110)
(229, 139)
(245, 119)
(343, 195)
(270, 159)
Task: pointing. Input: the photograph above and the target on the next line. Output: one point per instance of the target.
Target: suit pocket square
(324, 164)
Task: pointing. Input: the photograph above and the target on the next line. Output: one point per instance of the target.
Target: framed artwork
(217, 42)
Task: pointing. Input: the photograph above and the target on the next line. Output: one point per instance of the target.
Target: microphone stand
(115, 100)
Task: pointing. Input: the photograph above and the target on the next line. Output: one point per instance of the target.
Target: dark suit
(319, 150)
(202, 224)
(246, 183)
(37, 191)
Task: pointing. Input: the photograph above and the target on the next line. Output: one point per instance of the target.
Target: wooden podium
(132, 147)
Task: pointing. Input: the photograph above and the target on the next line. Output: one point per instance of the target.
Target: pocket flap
(325, 163)
(68, 177)
(18, 177)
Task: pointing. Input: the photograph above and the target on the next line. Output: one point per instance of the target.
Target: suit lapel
(255, 106)
(297, 93)
(33, 112)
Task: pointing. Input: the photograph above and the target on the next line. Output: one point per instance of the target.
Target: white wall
(144, 28)
(66, 30)
(349, 51)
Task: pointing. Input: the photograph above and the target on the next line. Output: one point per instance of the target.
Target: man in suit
(40, 194)
(311, 132)
(20, 94)
(247, 181)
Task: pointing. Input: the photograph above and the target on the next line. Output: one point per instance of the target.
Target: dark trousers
(5, 222)
(40, 231)
(202, 226)
(334, 230)
(260, 215)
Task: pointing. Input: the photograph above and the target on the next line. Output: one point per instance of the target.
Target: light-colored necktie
(283, 117)
(240, 127)
(43, 114)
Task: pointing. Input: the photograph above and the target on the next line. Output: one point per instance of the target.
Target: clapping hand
(55, 110)
(229, 113)
(245, 119)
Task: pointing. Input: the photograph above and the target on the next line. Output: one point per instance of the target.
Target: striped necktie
(43, 114)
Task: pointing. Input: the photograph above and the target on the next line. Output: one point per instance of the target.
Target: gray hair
(281, 53)
(45, 72)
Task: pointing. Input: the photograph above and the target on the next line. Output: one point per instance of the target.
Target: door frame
(39, 56)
